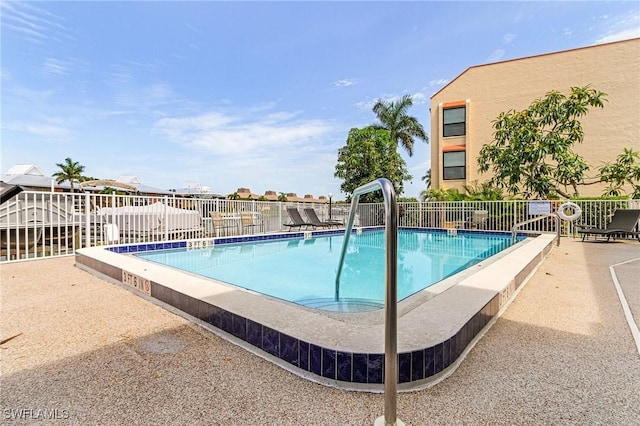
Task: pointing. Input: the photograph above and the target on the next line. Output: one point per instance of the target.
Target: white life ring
(577, 211)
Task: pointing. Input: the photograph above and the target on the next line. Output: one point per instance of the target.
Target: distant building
(31, 178)
(462, 112)
(196, 190)
(246, 194)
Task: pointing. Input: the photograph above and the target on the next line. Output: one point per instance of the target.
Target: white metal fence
(39, 224)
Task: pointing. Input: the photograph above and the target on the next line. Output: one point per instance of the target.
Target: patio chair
(297, 221)
(219, 224)
(313, 218)
(623, 224)
(247, 221)
(477, 220)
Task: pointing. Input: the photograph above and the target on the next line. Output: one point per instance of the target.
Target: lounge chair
(313, 218)
(219, 224)
(623, 224)
(248, 222)
(297, 221)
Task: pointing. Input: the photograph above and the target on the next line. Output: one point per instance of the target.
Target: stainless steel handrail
(536, 219)
(391, 293)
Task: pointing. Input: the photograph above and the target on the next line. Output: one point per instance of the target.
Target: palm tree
(402, 127)
(427, 178)
(69, 170)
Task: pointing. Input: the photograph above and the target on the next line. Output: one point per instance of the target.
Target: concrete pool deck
(561, 353)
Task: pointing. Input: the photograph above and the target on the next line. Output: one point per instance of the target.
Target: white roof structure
(30, 176)
(132, 180)
(25, 169)
(144, 189)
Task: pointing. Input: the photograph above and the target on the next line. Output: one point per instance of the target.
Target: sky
(259, 95)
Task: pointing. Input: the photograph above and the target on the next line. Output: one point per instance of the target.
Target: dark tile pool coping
(432, 336)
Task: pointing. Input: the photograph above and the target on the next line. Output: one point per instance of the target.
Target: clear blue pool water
(303, 271)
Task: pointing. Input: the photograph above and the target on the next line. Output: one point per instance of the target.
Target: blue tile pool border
(212, 242)
(329, 363)
(416, 366)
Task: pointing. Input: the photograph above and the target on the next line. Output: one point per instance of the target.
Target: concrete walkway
(88, 352)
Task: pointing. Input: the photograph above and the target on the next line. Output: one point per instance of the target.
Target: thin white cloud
(61, 67)
(508, 38)
(27, 96)
(621, 27)
(499, 53)
(50, 132)
(418, 170)
(438, 82)
(153, 99)
(193, 28)
(5, 74)
(344, 82)
(33, 23)
(225, 134)
(369, 103)
(276, 149)
(496, 55)
(420, 98)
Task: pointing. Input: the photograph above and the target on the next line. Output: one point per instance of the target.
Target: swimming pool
(303, 271)
(436, 326)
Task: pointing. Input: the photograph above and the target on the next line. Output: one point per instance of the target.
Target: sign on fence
(539, 207)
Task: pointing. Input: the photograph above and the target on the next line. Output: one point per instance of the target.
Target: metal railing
(514, 230)
(41, 224)
(391, 288)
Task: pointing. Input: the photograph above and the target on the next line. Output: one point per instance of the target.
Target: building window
(453, 165)
(454, 121)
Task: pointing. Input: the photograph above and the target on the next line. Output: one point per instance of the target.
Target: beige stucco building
(462, 112)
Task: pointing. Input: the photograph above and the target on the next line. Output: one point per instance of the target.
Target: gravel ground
(92, 353)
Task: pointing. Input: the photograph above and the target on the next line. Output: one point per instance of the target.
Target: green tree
(531, 152)
(69, 171)
(403, 128)
(111, 190)
(442, 195)
(472, 192)
(282, 197)
(368, 155)
(624, 171)
(427, 178)
(484, 191)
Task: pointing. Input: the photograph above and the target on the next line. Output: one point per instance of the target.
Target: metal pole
(391, 309)
(330, 195)
(87, 220)
(391, 293)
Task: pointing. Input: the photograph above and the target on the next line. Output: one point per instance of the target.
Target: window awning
(453, 148)
(454, 104)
